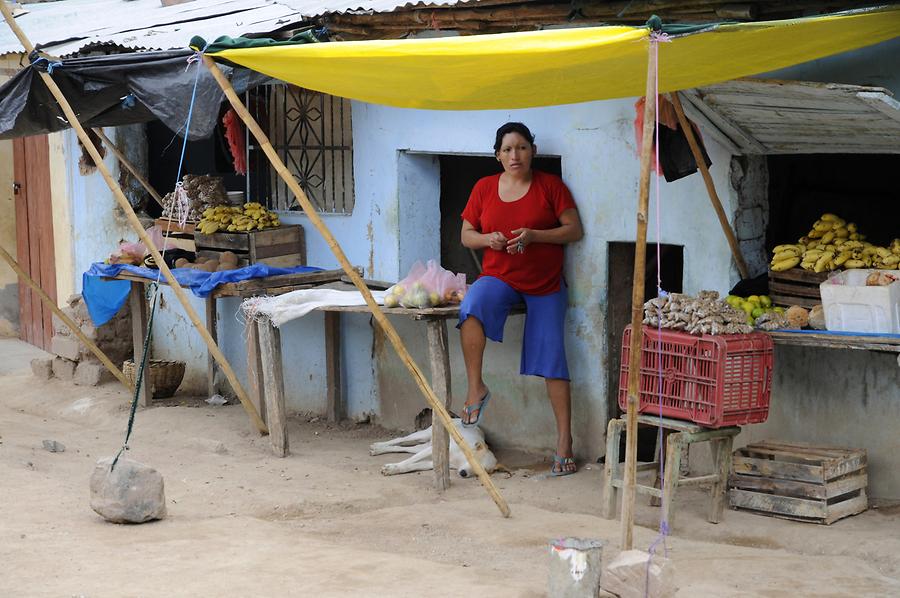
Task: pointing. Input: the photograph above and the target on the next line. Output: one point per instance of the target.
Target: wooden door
(34, 237)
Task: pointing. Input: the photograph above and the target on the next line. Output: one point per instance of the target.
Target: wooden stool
(683, 433)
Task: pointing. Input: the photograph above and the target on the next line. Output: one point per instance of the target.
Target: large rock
(63, 368)
(42, 367)
(628, 576)
(66, 346)
(91, 374)
(130, 493)
(576, 565)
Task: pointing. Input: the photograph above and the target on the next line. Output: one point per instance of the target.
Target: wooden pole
(710, 186)
(128, 165)
(66, 320)
(637, 304)
(436, 405)
(136, 224)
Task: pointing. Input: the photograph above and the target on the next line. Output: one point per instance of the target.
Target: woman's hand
(523, 236)
(496, 241)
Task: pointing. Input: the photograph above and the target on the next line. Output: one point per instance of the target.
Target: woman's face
(515, 153)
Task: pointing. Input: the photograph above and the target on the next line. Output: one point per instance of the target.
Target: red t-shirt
(538, 271)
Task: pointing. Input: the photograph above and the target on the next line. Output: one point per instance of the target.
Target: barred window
(312, 133)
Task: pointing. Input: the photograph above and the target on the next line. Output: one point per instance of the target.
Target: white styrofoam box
(851, 306)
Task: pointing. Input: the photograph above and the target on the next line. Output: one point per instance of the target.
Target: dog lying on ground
(419, 444)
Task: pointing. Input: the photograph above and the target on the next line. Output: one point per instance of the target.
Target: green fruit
(757, 311)
(747, 307)
(778, 310)
(754, 299)
(750, 320)
(733, 301)
(765, 301)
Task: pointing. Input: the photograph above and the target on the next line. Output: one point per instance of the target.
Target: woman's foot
(563, 466)
(473, 409)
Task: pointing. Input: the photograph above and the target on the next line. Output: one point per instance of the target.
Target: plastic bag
(133, 253)
(427, 286)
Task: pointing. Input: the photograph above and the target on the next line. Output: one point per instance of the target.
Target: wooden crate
(796, 287)
(282, 247)
(798, 481)
(180, 237)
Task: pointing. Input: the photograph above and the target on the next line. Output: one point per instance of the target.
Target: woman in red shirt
(521, 218)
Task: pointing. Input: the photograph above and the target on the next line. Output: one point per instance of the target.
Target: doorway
(34, 237)
(458, 175)
(618, 315)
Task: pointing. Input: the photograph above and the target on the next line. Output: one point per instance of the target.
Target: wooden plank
(334, 404)
(138, 305)
(836, 469)
(881, 102)
(779, 487)
(212, 327)
(734, 131)
(795, 290)
(40, 194)
(273, 383)
(721, 449)
(378, 285)
(788, 300)
(785, 455)
(611, 464)
(774, 469)
(282, 280)
(830, 452)
(23, 255)
(254, 368)
(800, 340)
(846, 508)
(439, 358)
(783, 505)
(799, 275)
(259, 252)
(35, 231)
(707, 126)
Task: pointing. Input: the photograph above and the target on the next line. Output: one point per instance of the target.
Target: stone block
(91, 374)
(59, 327)
(54, 446)
(130, 493)
(63, 368)
(629, 576)
(42, 367)
(66, 346)
(575, 568)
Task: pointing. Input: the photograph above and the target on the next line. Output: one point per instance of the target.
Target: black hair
(512, 127)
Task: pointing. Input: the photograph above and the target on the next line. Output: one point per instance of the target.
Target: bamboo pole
(128, 165)
(136, 225)
(637, 304)
(710, 186)
(436, 405)
(66, 319)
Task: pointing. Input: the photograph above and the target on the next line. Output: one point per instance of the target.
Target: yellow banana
(822, 262)
(822, 227)
(828, 217)
(851, 264)
(843, 257)
(785, 264)
(828, 237)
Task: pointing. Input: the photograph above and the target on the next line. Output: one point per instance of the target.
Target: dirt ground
(325, 522)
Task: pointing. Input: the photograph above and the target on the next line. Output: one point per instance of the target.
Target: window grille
(312, 133)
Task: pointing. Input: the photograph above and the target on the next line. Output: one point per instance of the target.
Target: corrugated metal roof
(65, 27)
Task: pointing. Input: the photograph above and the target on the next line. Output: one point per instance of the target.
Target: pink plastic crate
(714, 381)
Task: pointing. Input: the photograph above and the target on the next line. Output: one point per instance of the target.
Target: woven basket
(165, 375)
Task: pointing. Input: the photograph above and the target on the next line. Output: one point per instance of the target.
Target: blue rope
(187, 125)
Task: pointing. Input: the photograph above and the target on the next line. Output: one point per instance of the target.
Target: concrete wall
(396, 221)
(9, 284)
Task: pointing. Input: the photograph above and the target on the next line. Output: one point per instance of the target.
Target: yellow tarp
(563, 66)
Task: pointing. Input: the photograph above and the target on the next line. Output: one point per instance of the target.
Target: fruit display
(227, 261)
(703, 314)
(202, 191)
(834, 244)
(253, 216)
(758, 311)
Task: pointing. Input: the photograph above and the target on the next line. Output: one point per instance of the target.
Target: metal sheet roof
(797, 117)
(64, 27)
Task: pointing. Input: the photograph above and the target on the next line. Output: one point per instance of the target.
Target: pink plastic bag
(133, 253)
(427, 286)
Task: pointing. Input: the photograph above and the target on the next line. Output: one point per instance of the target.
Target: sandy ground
(325, 522)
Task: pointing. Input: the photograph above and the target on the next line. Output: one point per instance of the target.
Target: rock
(63, 368)
(91, 374)
(130, 493)
(53, 446)
(66, 346)
(627, 576)
(42, 367)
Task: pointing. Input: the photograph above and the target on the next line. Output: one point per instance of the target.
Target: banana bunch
(831, 244)
(253, 216)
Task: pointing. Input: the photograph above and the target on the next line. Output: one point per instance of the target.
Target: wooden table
(267, 379)
(270, 285)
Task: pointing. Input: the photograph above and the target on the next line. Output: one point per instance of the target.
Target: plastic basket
(714, 381)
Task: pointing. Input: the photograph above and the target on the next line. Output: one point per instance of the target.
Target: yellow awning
(562, 66)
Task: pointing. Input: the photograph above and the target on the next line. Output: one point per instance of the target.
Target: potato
(797, 316)
(228, 257)
(181, 262)
(223, 267)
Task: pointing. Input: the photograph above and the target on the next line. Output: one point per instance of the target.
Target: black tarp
(120, 89)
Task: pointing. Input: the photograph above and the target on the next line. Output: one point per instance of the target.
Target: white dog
(419, 444)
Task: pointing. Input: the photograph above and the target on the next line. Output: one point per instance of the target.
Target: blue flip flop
(480, 406)
(560, 465)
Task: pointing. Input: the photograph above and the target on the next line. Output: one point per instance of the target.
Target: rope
(153, 289)
(655, 38)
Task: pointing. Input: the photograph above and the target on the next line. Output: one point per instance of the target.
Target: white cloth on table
(296, 304)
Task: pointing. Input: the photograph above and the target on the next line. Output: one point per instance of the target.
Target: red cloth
(538, 271)
(234, 134)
